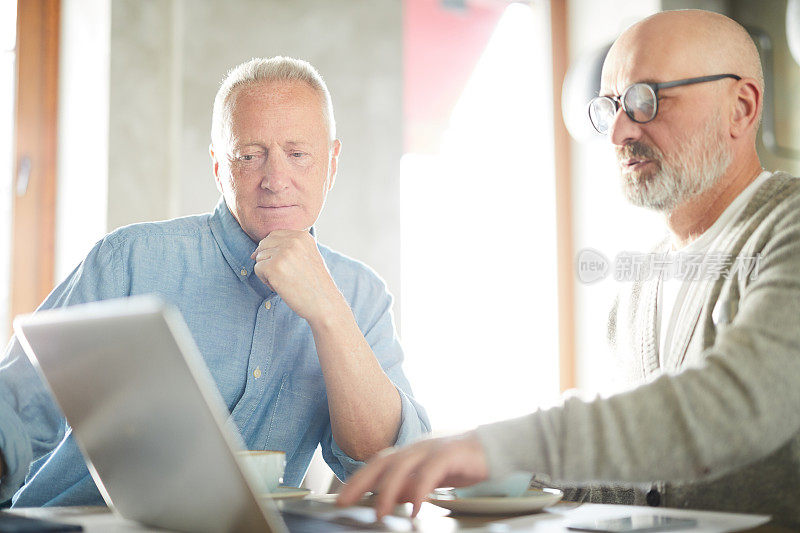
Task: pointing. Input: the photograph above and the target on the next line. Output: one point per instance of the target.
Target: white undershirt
(672, 290)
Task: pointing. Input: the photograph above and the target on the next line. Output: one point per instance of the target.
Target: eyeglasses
(639, 101)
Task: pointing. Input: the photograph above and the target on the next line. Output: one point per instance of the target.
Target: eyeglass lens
(601, 113)
(639, 103)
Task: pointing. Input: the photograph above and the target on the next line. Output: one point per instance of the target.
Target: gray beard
(679, 178)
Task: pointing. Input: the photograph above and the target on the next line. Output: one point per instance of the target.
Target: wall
(141, 112)
(158, 70)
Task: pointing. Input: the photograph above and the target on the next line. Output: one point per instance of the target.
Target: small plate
(533, 500)
(285, 493)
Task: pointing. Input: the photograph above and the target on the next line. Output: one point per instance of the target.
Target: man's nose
(276, 176)
(623, 130)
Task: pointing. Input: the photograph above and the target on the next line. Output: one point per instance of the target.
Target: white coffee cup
(263, 467)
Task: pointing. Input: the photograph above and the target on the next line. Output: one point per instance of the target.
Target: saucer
(285, 493)
(531, 501)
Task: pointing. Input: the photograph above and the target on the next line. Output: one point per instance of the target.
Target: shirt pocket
(300, 415)
(310, 386)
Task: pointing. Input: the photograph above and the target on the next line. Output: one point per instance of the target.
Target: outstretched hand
(409, 474)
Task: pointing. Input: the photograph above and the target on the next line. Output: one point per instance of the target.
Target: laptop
(150, 421)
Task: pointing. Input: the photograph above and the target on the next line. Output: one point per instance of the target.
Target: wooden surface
(563, 171)
(33, 237)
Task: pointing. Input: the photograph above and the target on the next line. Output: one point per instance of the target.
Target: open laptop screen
(144, 409)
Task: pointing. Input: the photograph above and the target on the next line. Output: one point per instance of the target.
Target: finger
(415, 509)
(361, 482)
(263, 242)
(260, 270)
(398, 479)
(263, 255)
(262, 247)
(432, 474)
(277, 237)
(277, 233)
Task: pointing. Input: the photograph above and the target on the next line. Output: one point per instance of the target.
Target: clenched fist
(289, 262)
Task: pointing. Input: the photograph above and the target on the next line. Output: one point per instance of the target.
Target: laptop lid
(146, 414)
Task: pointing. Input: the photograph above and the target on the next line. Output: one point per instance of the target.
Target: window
(34, 192)
(479, 288)
(8, 38)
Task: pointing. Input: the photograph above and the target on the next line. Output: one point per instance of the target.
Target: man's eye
(247, 157)
(298, 154)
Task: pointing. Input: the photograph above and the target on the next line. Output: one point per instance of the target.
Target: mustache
(637, 150)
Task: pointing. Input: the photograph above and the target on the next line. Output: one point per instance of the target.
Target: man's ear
(746, 107)
(215, 167)
(334, 163)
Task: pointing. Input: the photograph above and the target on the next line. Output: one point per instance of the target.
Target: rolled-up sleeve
(413, 425)
(382, 338)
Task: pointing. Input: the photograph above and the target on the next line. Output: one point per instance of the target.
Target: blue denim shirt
(260, 353)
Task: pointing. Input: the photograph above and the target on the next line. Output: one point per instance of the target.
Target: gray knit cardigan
(715, 423)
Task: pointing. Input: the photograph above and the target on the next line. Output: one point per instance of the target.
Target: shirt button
(653, 498)
(257, 373)
(243, 272)
(268, 305)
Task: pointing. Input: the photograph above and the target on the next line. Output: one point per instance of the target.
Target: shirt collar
(235, 244)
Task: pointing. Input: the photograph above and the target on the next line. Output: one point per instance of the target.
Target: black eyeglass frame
(619, 101)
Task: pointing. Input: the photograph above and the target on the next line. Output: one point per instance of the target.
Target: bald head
(700, 139)
(682, 44)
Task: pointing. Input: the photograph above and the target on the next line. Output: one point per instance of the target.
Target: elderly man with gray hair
(299, 339)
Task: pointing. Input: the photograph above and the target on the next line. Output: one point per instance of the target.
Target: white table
(431, 518)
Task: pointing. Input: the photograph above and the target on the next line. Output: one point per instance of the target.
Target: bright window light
(479, 302)
(8, 16)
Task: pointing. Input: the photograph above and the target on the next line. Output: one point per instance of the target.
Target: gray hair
(258, 70)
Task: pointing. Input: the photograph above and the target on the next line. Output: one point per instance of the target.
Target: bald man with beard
(713, 419)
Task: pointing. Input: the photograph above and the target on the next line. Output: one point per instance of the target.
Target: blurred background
(470, 178)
